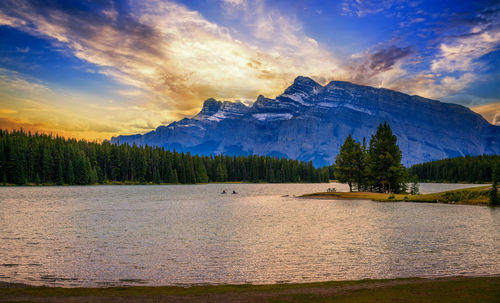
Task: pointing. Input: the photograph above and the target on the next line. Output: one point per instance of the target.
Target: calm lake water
(168, 235)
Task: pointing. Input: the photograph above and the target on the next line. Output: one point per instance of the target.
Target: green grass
(172, 290)
(458, 289)
(470, 196)
(468, 290)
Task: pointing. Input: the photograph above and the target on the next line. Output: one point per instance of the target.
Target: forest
(468, 169)
(27, 158)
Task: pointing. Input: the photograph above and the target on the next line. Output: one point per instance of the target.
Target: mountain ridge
(309, 121)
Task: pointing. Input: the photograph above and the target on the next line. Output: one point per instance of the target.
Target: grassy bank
(454, 289)
(470, 196)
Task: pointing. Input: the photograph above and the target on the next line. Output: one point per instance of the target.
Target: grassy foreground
(471, 196)
(451, 289)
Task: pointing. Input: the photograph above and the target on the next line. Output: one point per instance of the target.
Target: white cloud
(236, 3)
(432, 86)
(362, 8)
(11, 81)
(461, 53)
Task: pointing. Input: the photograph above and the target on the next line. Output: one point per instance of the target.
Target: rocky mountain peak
(310, 122)
(210, 107)
(235, 106)
(303, 85)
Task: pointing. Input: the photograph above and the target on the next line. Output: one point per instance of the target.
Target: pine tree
(494, 199)
(46, 165)
(156, 176)
(68, 161)
(349, 163)
(93, 178)
(17, 167)
(70, 174)
(219, 173)
(386, 172)
(173, 178)
(201, 171)
(20, 177)
(59, 174)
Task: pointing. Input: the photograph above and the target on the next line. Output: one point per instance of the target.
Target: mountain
(310, 122)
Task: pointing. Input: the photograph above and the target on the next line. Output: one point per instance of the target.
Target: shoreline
(163, 184)
(228, 182)
(477, 195)
(439, 289)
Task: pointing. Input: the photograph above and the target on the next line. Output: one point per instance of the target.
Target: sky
(96, 69)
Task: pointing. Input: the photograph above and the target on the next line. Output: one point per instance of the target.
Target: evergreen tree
(23, 157)
(190, 172)
(70, 174)
(386, 172)
(173, 178)
(59, 174)
(93, 178)
(20, 177)
(363, 168)
(494, 199)
(99, 174)
(80, 173)
(46, 165)
(349, 163)
(17, 167)
(460, 169)
(201, 171)
(219, 173)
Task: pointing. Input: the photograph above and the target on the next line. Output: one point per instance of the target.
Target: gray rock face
(310, 122)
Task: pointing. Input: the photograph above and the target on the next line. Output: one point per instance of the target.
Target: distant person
(223, 191)
(234, 192)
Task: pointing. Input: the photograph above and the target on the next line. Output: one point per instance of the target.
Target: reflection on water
(166, 235)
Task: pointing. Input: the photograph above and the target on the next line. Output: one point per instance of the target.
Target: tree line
(376, 167)
(478, 169)
(27, 158)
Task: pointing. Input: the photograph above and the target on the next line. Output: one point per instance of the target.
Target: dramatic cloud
(445, 65)
(380, 68)
(174, 55)
(165, 58)
(386, 58)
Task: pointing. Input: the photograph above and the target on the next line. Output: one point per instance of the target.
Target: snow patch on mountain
(297, 98)
(217, 117)
(272, 116)
(357, 108)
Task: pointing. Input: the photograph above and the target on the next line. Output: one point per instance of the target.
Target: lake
(192, 234)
